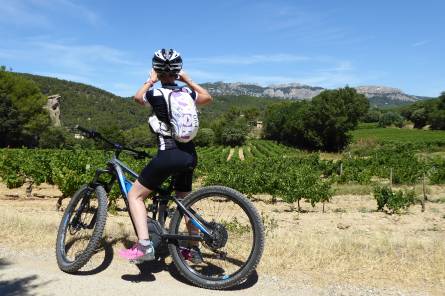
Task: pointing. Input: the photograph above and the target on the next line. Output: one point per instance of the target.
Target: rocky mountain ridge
(377, 95)
(390, 92)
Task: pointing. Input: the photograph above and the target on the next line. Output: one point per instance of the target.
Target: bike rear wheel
(81, 228)
(239, 238)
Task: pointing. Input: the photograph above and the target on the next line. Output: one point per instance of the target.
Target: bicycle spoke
(227, 214)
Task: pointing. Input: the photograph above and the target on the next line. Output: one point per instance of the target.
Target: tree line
(424, 113)
(322, 123)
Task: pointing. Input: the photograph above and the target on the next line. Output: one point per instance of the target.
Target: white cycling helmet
(167, 61)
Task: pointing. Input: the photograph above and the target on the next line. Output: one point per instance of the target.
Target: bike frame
(117, 169)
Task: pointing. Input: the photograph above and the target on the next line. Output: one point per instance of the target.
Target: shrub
(437, 171)
(390, 118)
(205, 137)
(233, 136)
(394, 201)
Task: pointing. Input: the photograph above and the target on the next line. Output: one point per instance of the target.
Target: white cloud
(17, 12)
(82, 55)
(322, 71)
(95, 64)
(250, 59)
(39, 12)
(420, 43)
(73, 8)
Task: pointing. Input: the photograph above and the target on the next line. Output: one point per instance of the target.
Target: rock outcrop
(53, 107)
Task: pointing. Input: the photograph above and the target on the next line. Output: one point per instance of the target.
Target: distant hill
(96, 108)
(283, 91)
(90, 106)
(379, 96)
(93, 107)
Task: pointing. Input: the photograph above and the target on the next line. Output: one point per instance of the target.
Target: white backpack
(182, 114)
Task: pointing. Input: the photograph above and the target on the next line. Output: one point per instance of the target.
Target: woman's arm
(203, 95)
(139, 96)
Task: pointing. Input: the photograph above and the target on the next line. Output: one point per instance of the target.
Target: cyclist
(173, 157)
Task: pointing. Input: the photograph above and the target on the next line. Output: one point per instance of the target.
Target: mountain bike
(227, 226)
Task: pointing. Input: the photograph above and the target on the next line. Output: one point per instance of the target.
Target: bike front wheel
(81, 228)
(238, 238)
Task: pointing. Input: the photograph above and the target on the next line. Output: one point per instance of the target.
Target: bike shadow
(147, 271)
(149, 268)
(106, 246)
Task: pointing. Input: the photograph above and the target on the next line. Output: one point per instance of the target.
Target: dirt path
(29, 273)
(36, 273)
(241, 153)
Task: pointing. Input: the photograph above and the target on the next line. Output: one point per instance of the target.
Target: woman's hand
(153, 77)
(184, 77)
(203, 95)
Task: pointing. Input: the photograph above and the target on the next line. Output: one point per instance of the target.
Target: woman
(173, 157)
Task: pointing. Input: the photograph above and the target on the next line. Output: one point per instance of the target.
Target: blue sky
(109, 44)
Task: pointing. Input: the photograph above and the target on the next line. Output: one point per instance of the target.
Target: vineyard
(420, 138)
(259, 167)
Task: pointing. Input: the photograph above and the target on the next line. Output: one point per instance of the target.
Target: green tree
(332, 114)
(372, 115)
(112, 133)
(53, 137)
(323, 123)
(140, 136)
(231, 128)
(419, 117)
(437, 120)
(23, 118)
(441, 105)
(205, 137)
(251, 114)
(390, 118)
(233, 136)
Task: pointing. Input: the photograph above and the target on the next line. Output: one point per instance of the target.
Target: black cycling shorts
(174, 162)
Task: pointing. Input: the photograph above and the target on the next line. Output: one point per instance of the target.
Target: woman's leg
(138, 212)
(190, 227)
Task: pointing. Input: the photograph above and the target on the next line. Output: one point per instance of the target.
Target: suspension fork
(77, 221)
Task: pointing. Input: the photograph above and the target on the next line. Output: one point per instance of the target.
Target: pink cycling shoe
(138, 253)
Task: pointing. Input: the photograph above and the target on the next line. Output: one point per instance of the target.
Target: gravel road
(36, 273)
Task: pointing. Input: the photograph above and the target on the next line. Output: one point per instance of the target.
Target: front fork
(77, 222)
(109, 185)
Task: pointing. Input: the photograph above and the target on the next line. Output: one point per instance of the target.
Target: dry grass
(26, 229)
(349, 256)
(330, 156)
(349, 243)
(404, 251)
(357, 189)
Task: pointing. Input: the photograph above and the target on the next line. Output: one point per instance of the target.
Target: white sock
(145, 242)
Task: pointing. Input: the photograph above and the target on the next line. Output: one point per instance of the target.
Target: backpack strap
(169, 109)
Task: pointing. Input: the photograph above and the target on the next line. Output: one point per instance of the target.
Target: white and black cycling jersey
(155, 98)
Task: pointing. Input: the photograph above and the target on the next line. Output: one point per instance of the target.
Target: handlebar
(117, 147)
